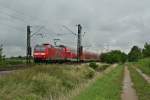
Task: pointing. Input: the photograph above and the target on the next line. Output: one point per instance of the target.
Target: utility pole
(79, 46)
(29, 51)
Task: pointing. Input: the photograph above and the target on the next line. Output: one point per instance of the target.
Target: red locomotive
(50, 53)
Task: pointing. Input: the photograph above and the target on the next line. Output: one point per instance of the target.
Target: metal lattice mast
(79, 46)
(29, 52)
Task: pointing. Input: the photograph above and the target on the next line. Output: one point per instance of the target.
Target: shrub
(90, 73)
(114, 56)
(105, 66)
(102, 67)
(93, 65)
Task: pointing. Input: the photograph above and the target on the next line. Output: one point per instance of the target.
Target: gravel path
(128, 91)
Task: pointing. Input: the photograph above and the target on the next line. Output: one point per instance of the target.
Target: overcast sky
(119, 24)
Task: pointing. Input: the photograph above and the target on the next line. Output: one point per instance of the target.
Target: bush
(105, 66)
(114, 56)
(93, 65)
(98, 67)
(102, 67)
(89, 73)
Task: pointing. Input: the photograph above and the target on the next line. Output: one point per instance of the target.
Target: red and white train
(50, 53)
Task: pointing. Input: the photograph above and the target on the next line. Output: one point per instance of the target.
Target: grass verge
(43, 82)
(108, 87)
(141, 86)
(11, 64)
(144, 65)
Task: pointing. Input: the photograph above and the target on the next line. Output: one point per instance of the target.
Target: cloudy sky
(113, 24)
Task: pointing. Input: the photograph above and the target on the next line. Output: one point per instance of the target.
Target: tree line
(116, 56)
(1, 56)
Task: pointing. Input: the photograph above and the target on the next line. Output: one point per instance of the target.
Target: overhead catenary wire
(69, 30)
(37, 31)
(13, 27)
(12, 21)
(19, 16)
(15, 17)
(22, 19)
(24, 16)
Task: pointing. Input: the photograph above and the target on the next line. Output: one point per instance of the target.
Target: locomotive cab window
(39, 48)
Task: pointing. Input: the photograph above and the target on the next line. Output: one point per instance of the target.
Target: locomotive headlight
(35, 54)
(38, 54)
(43, 54)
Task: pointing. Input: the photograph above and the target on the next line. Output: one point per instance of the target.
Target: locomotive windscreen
(39, 48)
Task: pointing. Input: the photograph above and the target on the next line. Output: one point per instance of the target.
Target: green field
(141, 86)
(106, 88)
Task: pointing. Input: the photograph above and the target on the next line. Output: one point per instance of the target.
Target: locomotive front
(39, 53)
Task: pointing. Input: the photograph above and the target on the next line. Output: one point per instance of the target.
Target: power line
(14, 17)
(69, 29)
(12, 27)
(37, 31)
(20, 13)
(23, 14)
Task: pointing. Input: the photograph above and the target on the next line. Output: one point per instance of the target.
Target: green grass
(43, 82)
(106, 88)
(141, 86)
(7, 62)
(144, 65)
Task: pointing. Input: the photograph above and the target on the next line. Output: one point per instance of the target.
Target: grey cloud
(119, 23)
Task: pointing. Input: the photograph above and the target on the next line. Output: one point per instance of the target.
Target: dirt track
(128, 91)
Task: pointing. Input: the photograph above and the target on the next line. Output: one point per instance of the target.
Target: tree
(146, 50)
(2, 57)
(115, 56)
(1, 49)
(135, 54)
